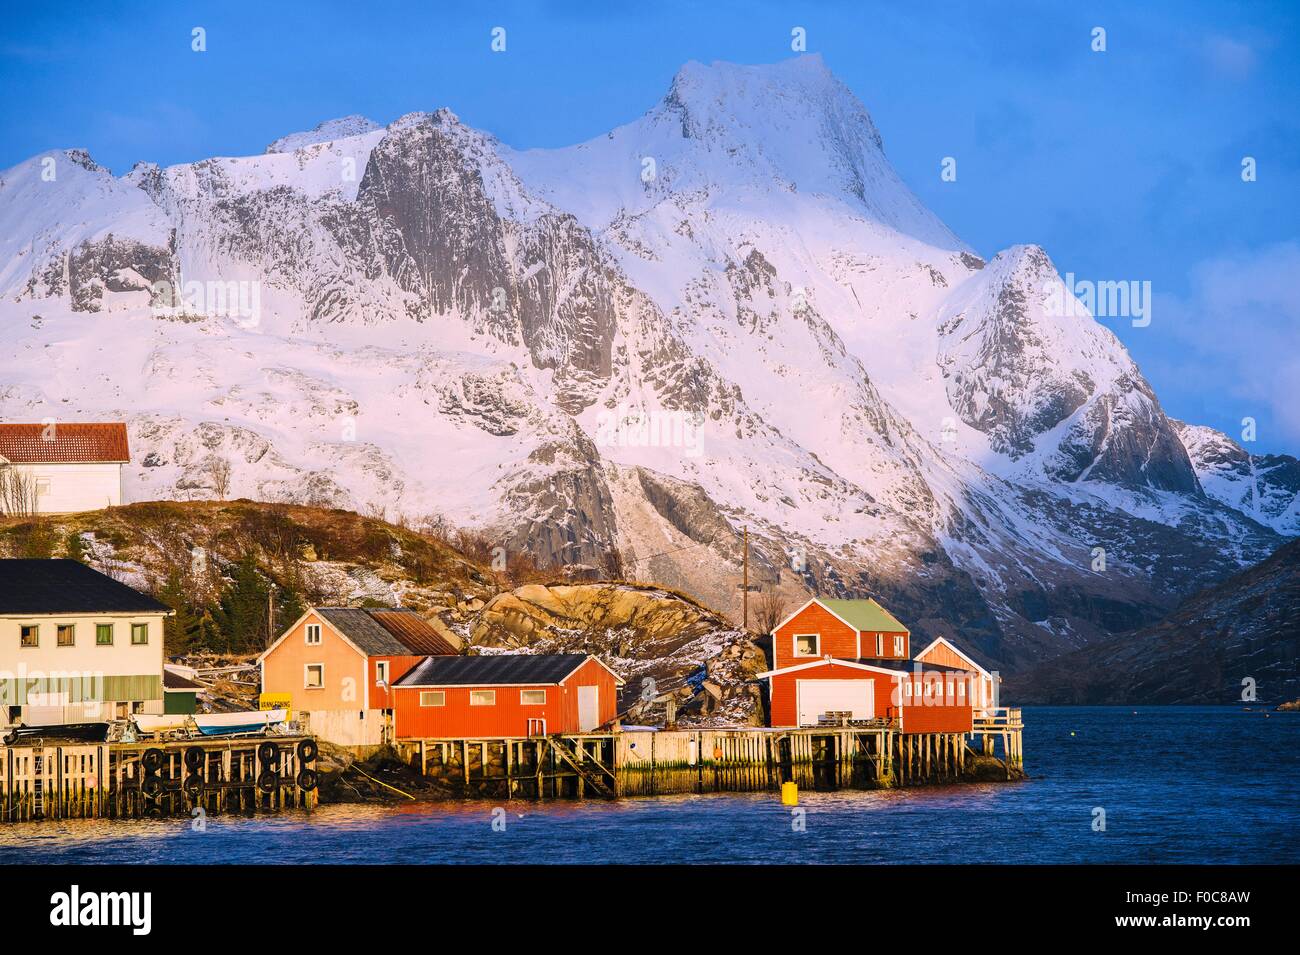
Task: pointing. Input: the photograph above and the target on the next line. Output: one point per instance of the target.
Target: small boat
(250, 721)
(82, 732)
(147, 723)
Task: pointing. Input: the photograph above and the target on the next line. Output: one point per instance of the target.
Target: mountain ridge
(571, 349)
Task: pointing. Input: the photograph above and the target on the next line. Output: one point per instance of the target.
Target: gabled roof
(953, 647)
(891, 666)
(67, 587)
(386, 632)
(71, 443)
(504, 669)
(864, 615)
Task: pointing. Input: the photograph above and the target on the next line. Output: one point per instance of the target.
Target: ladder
(596, 781)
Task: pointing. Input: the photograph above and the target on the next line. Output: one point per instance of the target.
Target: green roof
(865, 615)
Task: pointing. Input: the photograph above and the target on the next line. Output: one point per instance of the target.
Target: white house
(64, 468)
(76, 645)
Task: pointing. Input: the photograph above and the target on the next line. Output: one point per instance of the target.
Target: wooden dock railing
(998, 718)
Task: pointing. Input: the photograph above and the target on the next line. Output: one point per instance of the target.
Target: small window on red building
(806, 644)
(898, 646)
(532, 697)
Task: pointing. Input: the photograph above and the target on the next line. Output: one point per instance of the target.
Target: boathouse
(335, 668)
(944, 652)
(848, 661)
(505, 695)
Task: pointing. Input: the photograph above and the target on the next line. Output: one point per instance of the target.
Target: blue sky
(1124, 165)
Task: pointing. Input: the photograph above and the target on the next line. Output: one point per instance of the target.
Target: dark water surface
(1178, 784)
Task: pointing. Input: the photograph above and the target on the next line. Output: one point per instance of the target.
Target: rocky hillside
(195, 556)
(730, 313)
(1242, 632)
(666, 645)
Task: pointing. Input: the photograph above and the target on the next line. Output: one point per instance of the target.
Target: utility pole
(270, 615)
(745, 585)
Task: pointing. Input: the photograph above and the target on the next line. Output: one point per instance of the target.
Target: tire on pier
(267, 780)
(193, 787)
(194, 758)
(152, 760)
(268, 754)
(308, 780)
(307, 750)
(152, 786)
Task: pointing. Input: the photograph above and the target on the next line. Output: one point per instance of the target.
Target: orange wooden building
(337, 665)
(505, 695)
(852, 657)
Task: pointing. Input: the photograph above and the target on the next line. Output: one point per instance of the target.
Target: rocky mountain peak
(328, 131)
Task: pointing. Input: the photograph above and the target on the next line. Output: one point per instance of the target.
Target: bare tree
(769, 609)
(17, 492)
(217, 470)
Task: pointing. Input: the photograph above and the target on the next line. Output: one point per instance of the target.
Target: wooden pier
(76, 780)
(651, 763)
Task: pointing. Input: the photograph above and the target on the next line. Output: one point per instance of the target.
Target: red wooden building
(505, 695)
(852, 656)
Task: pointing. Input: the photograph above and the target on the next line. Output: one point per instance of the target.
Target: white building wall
(48, 664)
(68, 488)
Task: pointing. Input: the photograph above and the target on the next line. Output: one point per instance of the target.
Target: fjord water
(1177, 784)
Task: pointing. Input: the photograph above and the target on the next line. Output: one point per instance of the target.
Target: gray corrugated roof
(507, 669)
(363, 630)
(66, 587)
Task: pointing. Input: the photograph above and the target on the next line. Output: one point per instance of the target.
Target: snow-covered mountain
(730, 312)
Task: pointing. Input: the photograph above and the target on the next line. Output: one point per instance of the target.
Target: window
(42, 487)
(433, 698)
(103, 634)
(313, 676)
(805, 644)
(898, 646)
(532, 697)
(67, 635)
(313, 634)
(139, 634)
(30, 636)
(381, 671)
(880, 644)
(482, 697)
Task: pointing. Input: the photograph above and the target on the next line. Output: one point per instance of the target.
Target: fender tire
(308, 780)
(267, 781)
(268, 755)
(193, 787)
(194, 759)
(307, 750)
(152, 760)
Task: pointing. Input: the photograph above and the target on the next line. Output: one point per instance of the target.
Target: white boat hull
(252, 721)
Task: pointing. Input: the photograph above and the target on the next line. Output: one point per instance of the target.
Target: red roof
(99, 443)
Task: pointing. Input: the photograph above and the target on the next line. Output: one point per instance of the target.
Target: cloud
(1231, 58)
(1241, 327)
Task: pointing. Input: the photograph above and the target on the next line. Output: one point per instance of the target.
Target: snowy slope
(730, 312)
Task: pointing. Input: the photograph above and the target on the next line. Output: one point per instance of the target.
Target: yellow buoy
(789, 794)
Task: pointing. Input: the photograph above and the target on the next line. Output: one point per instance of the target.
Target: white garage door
(834, 696)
